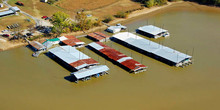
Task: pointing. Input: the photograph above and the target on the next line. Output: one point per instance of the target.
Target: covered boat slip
(152, 31)
(95, 71)
(98, 36)
(72, 57)
(152, 49)
(37, 46)
(71, 41)
(117, 57)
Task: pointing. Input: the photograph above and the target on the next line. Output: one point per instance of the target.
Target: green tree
(83, 21)
(60, 21)
(149, 3)
(108, 18)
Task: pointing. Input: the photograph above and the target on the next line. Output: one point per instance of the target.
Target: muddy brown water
(28, 83)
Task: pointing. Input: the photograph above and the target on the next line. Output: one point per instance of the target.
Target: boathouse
(71, 41)
(37, 46)
(152, 31)
(152, 49)
(86, 74)
(71, 58)
(117, 57)
(98, 36)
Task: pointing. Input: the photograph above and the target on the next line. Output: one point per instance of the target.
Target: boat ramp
(152, 49)
(117, 57)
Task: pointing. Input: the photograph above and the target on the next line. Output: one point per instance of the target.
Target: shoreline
(131, 16)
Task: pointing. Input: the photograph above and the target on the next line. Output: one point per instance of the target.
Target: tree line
(207, 2)
(62, 23)
(150, 3)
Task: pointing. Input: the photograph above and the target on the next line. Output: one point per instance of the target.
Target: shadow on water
(69, 78)
(60, 62)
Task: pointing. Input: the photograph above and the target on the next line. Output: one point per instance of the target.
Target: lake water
(28, 83)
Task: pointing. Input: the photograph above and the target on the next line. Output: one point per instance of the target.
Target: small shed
(113, 29)
(15, 9)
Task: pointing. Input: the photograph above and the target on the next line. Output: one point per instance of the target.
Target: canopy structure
(152, 31)
(73, 57)
(140, 44)
(123, 60)
(90, 72)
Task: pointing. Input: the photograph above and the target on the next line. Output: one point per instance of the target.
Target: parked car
(19, 3)
(44, 17)
(48, 18)
(29, 34)
(5, 35)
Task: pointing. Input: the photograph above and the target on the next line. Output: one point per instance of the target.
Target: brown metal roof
(72, 41)
(116, 55)
(37, 45)
(98, 36)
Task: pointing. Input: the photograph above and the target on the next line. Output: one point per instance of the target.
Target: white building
(1, 5)
(44, 1)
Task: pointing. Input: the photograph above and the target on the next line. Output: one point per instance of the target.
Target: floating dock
(71, 41)
(71, 58)
(152, 31)
(98, 36)
(152, 49)
(117, 57)
(86, 74)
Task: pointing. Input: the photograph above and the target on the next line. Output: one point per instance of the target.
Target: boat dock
(152, 31)
(72, 58)
(71, 41)
(117, 57)
(98, 36)
(152, 49)
(86, 74)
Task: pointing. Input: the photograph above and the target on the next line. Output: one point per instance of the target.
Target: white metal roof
(114, 29)
(62, 38)
(15, 9)
(152, 47)
(91, 71)
(96, 46)
(48, 44)
(68, 54)
(6, 12)
(152, 29)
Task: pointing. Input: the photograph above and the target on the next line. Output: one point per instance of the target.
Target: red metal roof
(132, 64)
(98, 36)
(72, 41)
(89, 61)
(116, 55)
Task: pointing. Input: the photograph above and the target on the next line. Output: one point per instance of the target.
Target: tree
(149, 3)
(83, 22)
(60, 21)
